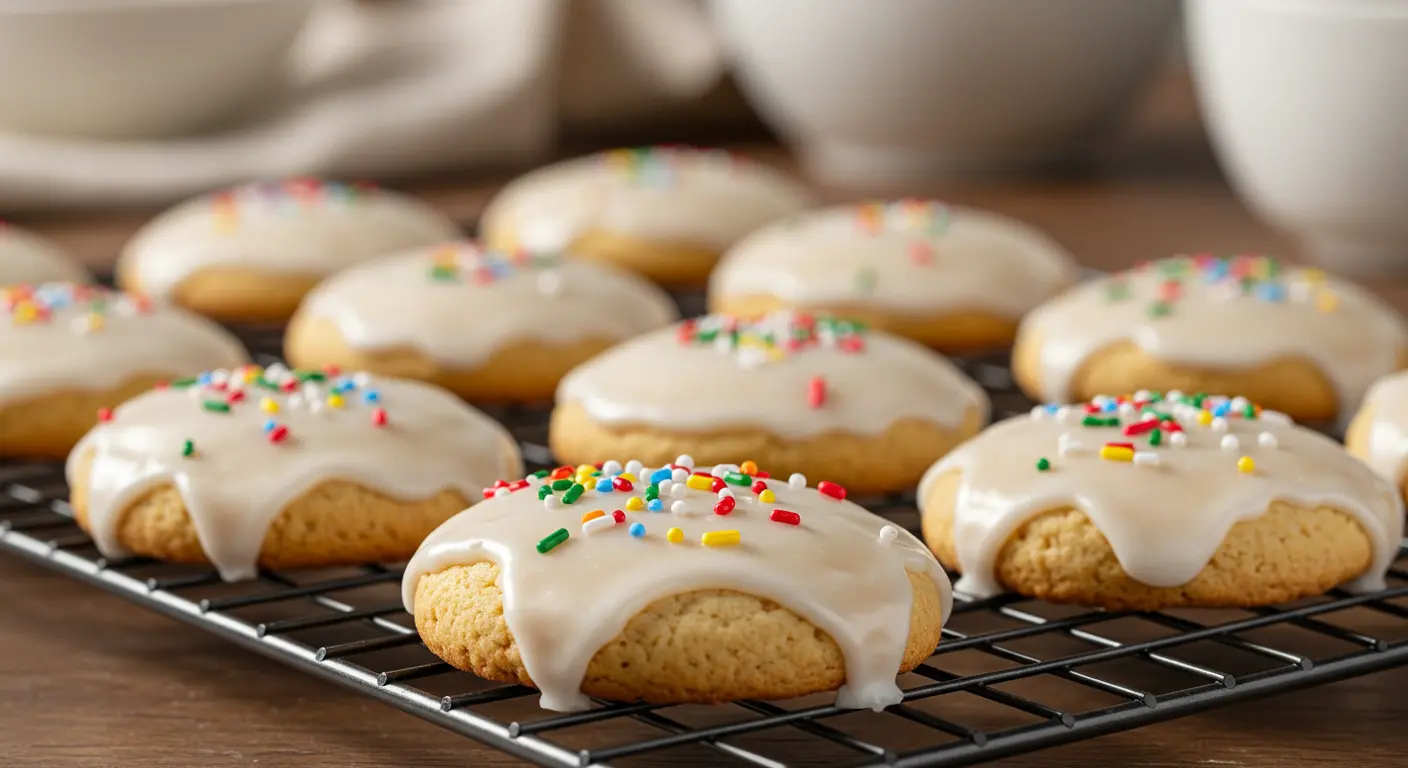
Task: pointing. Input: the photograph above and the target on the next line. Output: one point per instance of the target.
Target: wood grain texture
(88, 680)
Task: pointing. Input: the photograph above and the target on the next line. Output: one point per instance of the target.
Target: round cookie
(1379, 432)
(628, 583)
(799, 393)
(1294, 340)
(1149, 502)
(664, 212)
(30, 259)
(276, 468)
(67, 351)
(957, 279)
(250, 253)
(488, 326)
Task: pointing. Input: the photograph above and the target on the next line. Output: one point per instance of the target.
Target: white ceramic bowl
(139, 68)
(1307, 105)
(876, 92)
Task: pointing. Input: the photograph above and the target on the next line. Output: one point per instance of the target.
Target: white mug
(1307, 105)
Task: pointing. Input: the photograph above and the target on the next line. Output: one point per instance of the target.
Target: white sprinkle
(276, 372)
(684, 460)
(219, 376)
(1142, 394)
(1126, 409)
(1039, 412)
(611, 468)
(1150, 416)
(81, 326)
(751, 357)
(1174, 394)
(679, 475)
(888, 534)
(1230, 443)
(1219, 424)
(720, 470)
(295, 401)
(551, 502)
(635, 467)
(499, 493)
(315, 405)
(1067, 445)
(549, 283)
(1299, 291)
(1177, 439)
(684, 510)
(1239, 403)
(310, 391)
(1063, 413)
(597, 524)
(1146, 458)
(797, 480)
(1266, 440)
(725, 493)
(361, 379)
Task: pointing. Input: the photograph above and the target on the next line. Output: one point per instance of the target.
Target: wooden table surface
(87, 679)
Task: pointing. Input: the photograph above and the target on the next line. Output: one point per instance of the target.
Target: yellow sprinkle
(592, 515)
(25, 312)
(767, 496)
(774, 353)
(585, 479)
(1205, 418)
(95, 322)
(700, 482)
(334, 401)
(1313, 275)
(1115, 453)
(720, 538)
(587, 468)
(1246, 465)
(674, 535)
(748, 468)
(267, 405)
(627, 476)
(251, 372)
(634, 504)
(1326, 301)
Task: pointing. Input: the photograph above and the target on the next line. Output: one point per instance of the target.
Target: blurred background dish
(139, 68)
(875, 92)
(1307, 106)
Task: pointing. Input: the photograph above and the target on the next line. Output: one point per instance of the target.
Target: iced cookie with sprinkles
(70, 351)
(676, 584)
(30, 259)
(488, 325)
(800, 393)
(279, 468)
(957, 279)
(664, 212)
(1379, 432)
(1147, 502)
(250, 253)
(1296, 340)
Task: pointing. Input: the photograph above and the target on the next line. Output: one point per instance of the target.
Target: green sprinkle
(1043, 465)
(737, 478)
(1100, 421)
(652, 493)
(188, 448)
(540, 474)
(544, 491)
(1117, 290)
(311, 376)
(561, 485)
(572, 494)
(1249, 412)
(263, 383)
(442, 274)
(1248, 283)
(1156, 437)
(549, 542)
(707, 335)
(183, 383)
(1199, 398)
(216, 406)
(1159, 309)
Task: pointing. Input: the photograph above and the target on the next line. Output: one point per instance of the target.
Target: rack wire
(1011, 675)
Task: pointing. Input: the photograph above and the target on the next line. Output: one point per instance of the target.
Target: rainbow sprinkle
(229, 207)
(85, 308)
(924, 217)
(773, 337)
(467, 262)
(1242, 277)
(659, 166)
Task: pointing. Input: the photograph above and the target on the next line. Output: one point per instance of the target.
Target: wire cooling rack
(1012, 675)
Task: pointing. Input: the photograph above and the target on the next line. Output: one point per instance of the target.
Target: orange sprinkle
(748, 468)
(592, 515)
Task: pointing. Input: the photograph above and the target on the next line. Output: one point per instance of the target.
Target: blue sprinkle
(371, 396)
(269, 425)
(655, 505)
(1052, 407)
(637, 530)
(1221, 409)
(1110, 406)
(603, 485)
(1271, 292)
(662, 473)
(204, 379)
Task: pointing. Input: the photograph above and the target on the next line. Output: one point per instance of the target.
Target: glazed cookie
(956, 279)
(801, 393)
(673, 586)
(666, 213)
(1151, 502)
(249, 254)
(67, 351)
(275, 468)
(30, 259)
(1292, 339)
(486, 325)
(1379, 432)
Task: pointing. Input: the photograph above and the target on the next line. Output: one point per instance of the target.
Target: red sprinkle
(517, 485)
(1130, 446)
(379, 417)
(1140, 427)
(163, 385)
(618, 516)
(489, 492)
(725, 505)
(104, 414)
(331, 370)
(851, 344)
(759, 486)
(622, 484)
(785, 516)
(816, 392)
(500, 483)
(762, 473)
(716, 485)
(561, 472)
(235, 396)
(289, 385)
(279, 434)
(921, 253)
(831, 489)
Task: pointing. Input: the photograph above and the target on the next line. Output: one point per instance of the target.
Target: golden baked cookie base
(525, 372)
(673, 265)
(1058, 555)
(231, 294)
(954, 333)
(1356, 441)
(894, 460)
(706, 646)
(48, 426)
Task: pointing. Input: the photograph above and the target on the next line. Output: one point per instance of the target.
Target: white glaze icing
(910, 257)
(1164, 516)
(299, 226)
(28, 258)
(679, 196)
(459, 304)
(841, 568)
(1387, 449)
(870, 381)
(240, 475)
(61, 336)
(1352, 336)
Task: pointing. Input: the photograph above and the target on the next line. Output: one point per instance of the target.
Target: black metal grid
(1030, 675)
